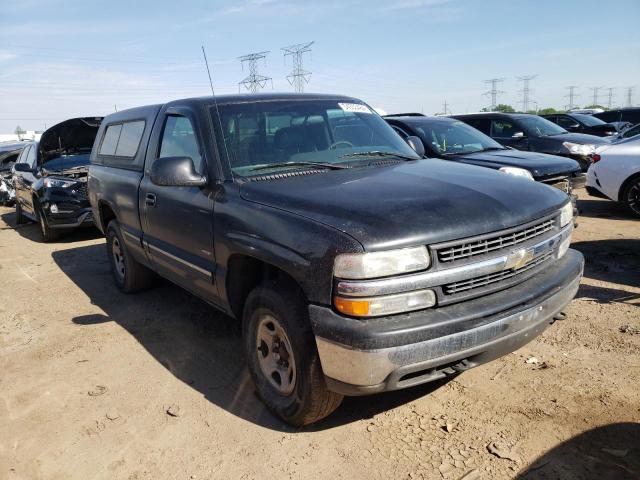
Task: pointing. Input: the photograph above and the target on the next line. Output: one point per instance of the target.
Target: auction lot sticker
(354, 107)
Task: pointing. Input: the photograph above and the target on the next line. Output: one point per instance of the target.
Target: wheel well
(106, 215)
(625, 184)
(244, 273)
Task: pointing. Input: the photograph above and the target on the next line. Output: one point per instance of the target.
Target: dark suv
(630, 114)
(524, 131)
(454, 140)
(50, 178)
(583, 123)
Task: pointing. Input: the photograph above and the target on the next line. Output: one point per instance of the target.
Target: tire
(130, 276)
(20, 218)
(304, 398)
(47, 233)
(631, 195)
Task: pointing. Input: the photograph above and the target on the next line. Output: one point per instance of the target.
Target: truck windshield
(452, 137)
(294, 134)
(540, 127)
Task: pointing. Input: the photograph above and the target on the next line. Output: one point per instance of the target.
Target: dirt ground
(88, 376)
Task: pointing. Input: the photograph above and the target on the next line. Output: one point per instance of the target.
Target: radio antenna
(215, 102)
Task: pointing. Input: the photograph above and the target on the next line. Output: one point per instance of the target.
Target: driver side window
(503, 128)
(179, 140)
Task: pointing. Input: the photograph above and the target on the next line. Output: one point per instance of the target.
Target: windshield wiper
(331, 166)
(491, 149)
(379, 153)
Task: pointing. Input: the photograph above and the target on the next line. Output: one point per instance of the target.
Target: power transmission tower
(572, 95)
(595, 91)
(445, 107)
(254, 81)
(494, 92)
(611, 94)
(298, 76)
(526, 91)
(629, 96)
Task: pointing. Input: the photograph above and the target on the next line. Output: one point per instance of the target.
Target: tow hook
(559, 316)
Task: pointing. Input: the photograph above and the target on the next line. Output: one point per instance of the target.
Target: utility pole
(494, 92)
(572, 95)
(595, 91)
(254, 81)
(526, 91)
(298, 76)
(445, 107)
(611, 94)
(629, 96)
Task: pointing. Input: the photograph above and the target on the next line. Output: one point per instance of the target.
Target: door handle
(150, 199)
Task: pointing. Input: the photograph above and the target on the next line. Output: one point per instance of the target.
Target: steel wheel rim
(633, 198)
(275, 355)
(118, 259)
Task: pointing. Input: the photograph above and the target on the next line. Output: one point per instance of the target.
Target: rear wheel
(130, 276)
(631, 195)
(48, 234)
(282, 356)
(20, 218)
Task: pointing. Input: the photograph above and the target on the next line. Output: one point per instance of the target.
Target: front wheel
(130, 275)
(48, 234)
(631, 195)
(282, 356)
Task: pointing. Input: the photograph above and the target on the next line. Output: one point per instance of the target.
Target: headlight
(385, 305)
(518, 172)
(3, 187)
(566, 214)
(381, 264)
(57, 183)
(579, 149)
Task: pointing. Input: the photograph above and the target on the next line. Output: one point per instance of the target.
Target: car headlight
(580, 149)
(381, 264)
(566, 214)
(3, 187)
(57, 183)
(386, 304)
(518, 172)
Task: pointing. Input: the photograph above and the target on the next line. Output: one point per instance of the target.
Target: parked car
(582, 123)
(354, 265)
(8, 156)
(615, 173)
(50, 178)
(630, 114)
(454, 140)
(524, 131)
(628, 133)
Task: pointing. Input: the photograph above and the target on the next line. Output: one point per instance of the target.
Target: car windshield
(631, 132)
(588, 120)
(266, 136)
(540, 127)
(452, 137)
(67, 162)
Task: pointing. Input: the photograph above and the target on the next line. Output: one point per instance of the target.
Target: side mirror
(176, 172)
(22, 167)
(416, 144)
(518, 136)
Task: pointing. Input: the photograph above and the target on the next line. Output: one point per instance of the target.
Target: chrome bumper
(356, 371)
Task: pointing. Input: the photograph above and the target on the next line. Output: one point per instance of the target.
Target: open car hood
(71, 137)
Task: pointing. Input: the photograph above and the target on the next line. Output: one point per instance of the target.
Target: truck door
(178, 221)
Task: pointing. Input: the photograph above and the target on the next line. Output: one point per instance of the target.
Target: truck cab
(354, 265)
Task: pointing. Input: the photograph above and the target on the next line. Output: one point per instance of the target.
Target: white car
(615, 172)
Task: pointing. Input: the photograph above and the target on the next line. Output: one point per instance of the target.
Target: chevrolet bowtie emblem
(519, 258)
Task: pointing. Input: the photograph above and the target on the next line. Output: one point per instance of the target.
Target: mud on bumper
(360, 357)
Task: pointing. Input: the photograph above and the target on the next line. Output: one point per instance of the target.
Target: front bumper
(360, 357)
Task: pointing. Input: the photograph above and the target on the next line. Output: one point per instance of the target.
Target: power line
(629, 96)
(595, 91)
(572, 95)
(254, 81)
(610, 96)
(298, 76)
(494, 92)
(526, 91)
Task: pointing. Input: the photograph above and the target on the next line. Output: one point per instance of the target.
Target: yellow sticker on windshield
(354, 107)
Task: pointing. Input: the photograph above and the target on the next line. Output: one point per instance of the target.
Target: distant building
(28, 135)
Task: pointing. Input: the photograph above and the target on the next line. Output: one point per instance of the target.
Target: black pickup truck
(354, 265)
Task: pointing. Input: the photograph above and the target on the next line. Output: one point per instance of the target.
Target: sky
(84, 58)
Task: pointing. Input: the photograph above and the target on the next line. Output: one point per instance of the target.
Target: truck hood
(581, 138)
(409, 203)
(540, 165)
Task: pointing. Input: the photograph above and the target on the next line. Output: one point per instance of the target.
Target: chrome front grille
(478, 282)
(467, 249)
